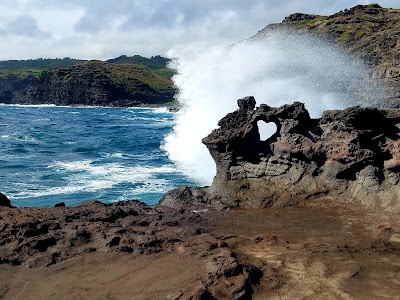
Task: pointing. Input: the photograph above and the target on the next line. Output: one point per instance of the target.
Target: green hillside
(123, 81)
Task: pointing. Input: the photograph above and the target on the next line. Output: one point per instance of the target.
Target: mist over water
(279, 69)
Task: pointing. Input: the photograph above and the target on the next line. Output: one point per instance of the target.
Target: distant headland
(120, 82)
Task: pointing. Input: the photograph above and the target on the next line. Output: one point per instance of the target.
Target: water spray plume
(281, 68)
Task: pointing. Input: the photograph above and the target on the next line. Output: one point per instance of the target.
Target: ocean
(52, 154)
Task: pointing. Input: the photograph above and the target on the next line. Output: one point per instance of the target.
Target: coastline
(174, 107)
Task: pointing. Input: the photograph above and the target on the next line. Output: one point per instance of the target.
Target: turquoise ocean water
(51, 154)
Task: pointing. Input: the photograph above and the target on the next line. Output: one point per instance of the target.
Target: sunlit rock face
(346, 155)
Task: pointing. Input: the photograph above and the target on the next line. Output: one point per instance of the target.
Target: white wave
(72, 165)
(114, 155)
(85, 176)
(70, 189)
(136, 157)
(32, 105)
(140, 118)
(157, 186)
(20, 138)
(156, 121)
(138, 108)
(26, 138)
(161, 110)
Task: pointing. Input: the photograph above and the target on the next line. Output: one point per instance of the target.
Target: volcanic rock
(350, 155)
(35, 237)
(4, 201)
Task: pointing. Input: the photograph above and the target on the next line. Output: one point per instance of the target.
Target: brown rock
(343, 155)
(382, 232)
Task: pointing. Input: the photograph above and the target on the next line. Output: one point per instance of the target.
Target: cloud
(101, 29)
(24, 26)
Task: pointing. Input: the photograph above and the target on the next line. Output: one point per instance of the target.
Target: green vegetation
(130, 76)
(123, 81)
(165, 72)
(361, 32)
(344, 37)
(35, 72)
(304, 24)
(157, 64)
(153, 63)
(373, 5)
(40, 63)
(35, 67)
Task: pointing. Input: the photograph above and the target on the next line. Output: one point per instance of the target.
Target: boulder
(4, 201)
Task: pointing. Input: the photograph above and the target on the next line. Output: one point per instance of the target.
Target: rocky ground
(129, 250)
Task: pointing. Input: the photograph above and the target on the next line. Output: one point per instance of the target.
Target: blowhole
(266, 130)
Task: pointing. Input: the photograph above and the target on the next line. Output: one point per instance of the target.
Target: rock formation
(351, 155)
(4, 201)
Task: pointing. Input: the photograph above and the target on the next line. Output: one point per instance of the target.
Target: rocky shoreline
(255, 233)
(221, 254)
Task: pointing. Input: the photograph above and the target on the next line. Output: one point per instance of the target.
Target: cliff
(124, 81)
(368, 32)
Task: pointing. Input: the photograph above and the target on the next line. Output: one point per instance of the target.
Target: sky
(103, 29)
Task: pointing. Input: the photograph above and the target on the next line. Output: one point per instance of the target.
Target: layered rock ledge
(350, 155)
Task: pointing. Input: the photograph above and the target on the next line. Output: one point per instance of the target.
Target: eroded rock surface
(351, 155)
(129, 250)
(35, 237)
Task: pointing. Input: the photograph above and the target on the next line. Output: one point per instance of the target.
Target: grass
(22, 73)
(127, 75)
(373, 5)
(304, 24)
(344, 37)
(361, 32)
